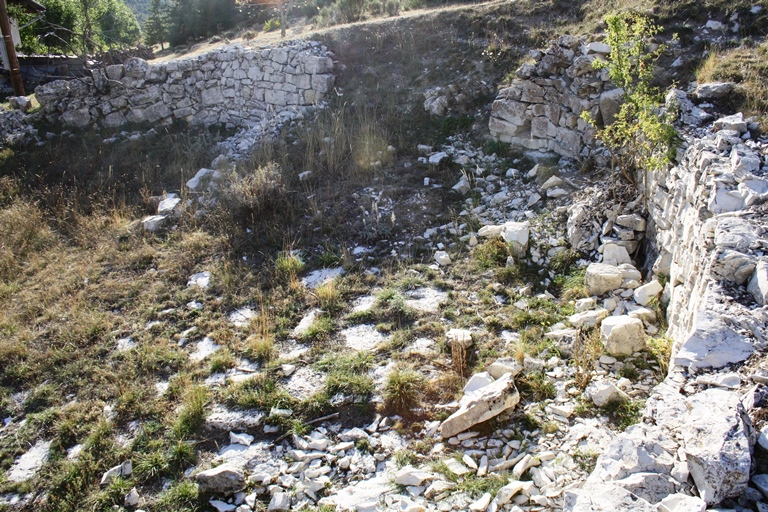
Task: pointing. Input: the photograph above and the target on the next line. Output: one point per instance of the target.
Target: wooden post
(5, 27)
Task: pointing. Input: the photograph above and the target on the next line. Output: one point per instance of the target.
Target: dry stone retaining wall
(234, 86)
(540, 109)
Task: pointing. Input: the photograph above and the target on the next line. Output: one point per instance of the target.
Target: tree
(195, 19)
(642, 135)
(79, 27)
(157, 25)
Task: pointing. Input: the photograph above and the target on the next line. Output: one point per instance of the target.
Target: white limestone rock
(644, 294)
(682, 503)
(588, 318)
(30, 463)
(758, 285)
(640, 449)
(601, 497)
(477, 382)
(442, 258)
(410, 475)
(604, 392)
(154, 223)
(622, 335)
(121, 470)
(601, 278)
(489, 231)
(516, 234)
(717, 444)
(734, 122)
(280, 501)
(224, 479)
(614, 254)
(503, 366)
(652, 487)
(481, 406)
(169, 206)
(714, 90)
(711, 343)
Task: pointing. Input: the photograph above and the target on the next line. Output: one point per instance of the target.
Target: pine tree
(157, 24)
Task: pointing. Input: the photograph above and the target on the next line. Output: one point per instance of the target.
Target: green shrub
(639, 136)
(271, 24)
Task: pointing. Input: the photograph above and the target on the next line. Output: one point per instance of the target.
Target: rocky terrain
(555, 341)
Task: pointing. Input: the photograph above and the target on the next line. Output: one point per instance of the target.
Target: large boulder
(601, 278)
(482, 405)
(622, 335)
(717, 444)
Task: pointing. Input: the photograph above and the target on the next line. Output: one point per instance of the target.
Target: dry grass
(747, 67)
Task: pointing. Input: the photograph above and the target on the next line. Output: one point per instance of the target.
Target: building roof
(29, 5)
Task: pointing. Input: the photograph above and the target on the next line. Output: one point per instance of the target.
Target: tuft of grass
(587, 459)
(661, 350)
(348, 374)
(587, 348)
(573, 286)
(23, 231)
(288, 265)
(624, 413)
(404, 458)
(192, 413)
(536, 386)
(329, 296)
(402, 390)
(261, 392)
(221, 361)
(260, 194)
(180, 497)
(320, 329)
(491, 254)
(476, 486)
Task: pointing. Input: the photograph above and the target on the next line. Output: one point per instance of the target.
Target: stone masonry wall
(708, 226)
(540, 110)
(235, 86)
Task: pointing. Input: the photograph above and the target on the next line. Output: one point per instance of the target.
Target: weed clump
(402, 390)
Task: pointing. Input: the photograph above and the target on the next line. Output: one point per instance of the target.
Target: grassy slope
(74, 277)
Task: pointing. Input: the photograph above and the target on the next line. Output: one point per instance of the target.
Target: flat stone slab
(304, 382)
(362, 337)
(319, 277)
(426, 300)
(205, 348)
(30, 463)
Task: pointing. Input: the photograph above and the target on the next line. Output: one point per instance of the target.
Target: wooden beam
(5, 27)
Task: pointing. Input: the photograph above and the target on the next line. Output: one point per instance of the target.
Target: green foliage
(661, 350)
(195, 19)
(271, 25)
(641, 136)
(624, 413)
(182, 497)
(157, 26)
